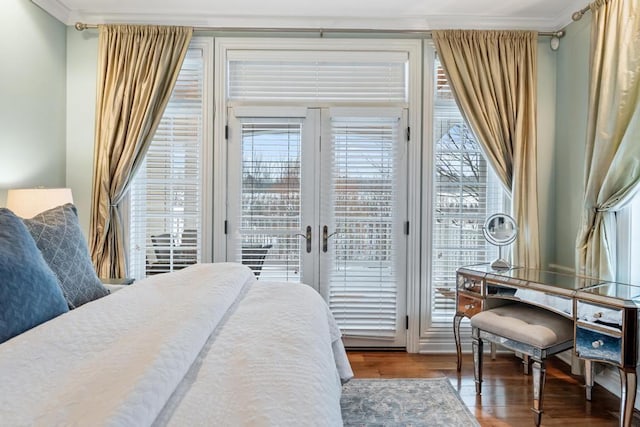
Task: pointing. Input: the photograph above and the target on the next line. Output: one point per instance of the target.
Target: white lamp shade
(29, 202)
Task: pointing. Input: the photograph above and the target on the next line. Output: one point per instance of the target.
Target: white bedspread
(120, 360)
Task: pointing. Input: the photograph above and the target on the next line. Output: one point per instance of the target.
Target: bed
(206, 345)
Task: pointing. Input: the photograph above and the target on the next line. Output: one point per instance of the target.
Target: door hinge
(225, 226)
(226, 132)
(406, 322)
(408, 133)
(406, 228)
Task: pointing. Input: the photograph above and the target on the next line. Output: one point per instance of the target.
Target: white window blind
(363, 200)
(166, 193)
(466, 192)
(317, 76)
(270, 213)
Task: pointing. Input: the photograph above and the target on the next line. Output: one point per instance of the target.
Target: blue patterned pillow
(59, 237)
(29, 290)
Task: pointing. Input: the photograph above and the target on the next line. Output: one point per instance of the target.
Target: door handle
(325, 237)
(307, 237)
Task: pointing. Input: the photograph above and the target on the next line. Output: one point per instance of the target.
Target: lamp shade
(29, 202)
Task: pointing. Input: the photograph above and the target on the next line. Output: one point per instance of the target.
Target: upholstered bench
(532, 331)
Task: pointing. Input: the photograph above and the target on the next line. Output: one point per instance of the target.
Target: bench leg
(539, 374)
(477, 362)
(525, 363)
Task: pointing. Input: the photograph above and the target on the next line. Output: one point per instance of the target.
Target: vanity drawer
(468, 305)
(597, 345)
(470, 284)
(599, 315)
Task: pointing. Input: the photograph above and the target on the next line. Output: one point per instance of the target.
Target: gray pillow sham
(59, 237)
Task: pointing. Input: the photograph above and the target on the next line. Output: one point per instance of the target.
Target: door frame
(414, 49)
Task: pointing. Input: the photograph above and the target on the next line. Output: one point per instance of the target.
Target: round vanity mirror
(500, 229)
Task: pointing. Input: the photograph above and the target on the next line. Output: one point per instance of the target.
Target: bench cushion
(525, 323)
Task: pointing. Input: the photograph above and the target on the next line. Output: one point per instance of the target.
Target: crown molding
(411, 23)
(55, 9)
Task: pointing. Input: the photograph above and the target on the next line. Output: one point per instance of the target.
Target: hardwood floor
(506, 392)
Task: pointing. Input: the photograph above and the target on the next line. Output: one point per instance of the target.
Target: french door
(318, 196)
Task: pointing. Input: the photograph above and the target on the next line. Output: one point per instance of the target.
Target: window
(628, 242)
(634, 238)
(466, 192)
(166, 194)
(329, 76)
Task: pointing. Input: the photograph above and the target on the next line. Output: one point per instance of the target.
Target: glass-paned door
(270, 205)
(318, 196)
(363, 245)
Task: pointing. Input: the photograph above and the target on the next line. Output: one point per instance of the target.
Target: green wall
(82, 66)
(546, 116)
(571, 122)
(32, 98)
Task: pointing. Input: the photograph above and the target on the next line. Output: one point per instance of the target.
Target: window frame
(628, 242)
(433, 337)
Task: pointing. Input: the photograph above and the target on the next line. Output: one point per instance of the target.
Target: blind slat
(320, 76)
(166, 194)
(361, 198)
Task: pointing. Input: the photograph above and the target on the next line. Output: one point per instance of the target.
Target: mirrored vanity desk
(605, 315)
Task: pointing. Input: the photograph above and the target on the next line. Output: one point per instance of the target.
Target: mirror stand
(500, 263)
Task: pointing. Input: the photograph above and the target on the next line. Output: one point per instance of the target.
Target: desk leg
(456, 335)
(588, 377)
(477, 362)
(628, 383)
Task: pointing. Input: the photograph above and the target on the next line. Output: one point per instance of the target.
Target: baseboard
(385, 349)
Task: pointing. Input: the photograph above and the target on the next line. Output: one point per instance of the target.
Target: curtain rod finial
(80, 26)
(580, 13)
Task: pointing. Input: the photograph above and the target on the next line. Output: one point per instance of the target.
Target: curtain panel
(493, 76)
(137, 70)
(612, 161)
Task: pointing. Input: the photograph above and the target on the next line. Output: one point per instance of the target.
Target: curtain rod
(80, 26)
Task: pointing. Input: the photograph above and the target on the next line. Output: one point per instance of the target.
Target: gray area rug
(429, 402)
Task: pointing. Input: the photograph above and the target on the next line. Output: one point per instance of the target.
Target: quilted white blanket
(208, 345)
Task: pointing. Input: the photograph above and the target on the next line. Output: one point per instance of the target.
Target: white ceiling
(542, 15)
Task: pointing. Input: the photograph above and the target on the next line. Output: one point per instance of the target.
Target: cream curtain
(612, 166)
(137, 69)
(494, 80)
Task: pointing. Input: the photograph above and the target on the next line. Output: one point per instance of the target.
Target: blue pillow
(29, 290)
(58, 236)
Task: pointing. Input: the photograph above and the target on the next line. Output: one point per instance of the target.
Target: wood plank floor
(506, 392)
